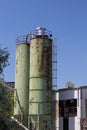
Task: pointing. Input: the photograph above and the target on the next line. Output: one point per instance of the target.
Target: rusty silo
(40, 84)
(21, 98)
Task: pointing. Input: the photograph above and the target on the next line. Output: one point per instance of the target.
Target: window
(68, 108)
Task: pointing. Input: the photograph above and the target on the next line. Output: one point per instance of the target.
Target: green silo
(21, 97)
(40, 84)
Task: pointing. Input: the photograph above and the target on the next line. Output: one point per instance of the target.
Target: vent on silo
(40, 31)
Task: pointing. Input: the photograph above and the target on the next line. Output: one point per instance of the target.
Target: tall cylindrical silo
(40, 84)
(21, 97)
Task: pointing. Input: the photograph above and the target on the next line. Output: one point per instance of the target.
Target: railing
(23, 39)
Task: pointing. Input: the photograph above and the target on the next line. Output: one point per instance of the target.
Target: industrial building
(38, 103)
(71, 108)
(35, 77)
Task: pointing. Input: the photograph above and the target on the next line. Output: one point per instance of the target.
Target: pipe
(20, 124)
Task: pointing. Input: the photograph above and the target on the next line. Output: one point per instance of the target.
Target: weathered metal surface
(40, 122)
(55, 101)
(55, 109)
(40, 31)
(22, 82)
(40, 96)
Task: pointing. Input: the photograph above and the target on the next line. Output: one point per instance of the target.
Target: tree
(69, 84)
(4, 56)
(5, 108)
(5, 104)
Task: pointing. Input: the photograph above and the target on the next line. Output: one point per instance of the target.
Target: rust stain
(48, 71)
(16, 66)
(48, 97)
(55, 111)
(38, 60)
(44, 58)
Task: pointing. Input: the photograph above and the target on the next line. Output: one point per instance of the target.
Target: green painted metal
(21, 98)
(40, 84)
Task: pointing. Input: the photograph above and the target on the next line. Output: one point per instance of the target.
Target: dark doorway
(65, 123)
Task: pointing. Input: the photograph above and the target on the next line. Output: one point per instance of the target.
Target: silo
(40, 84)
(21, 97)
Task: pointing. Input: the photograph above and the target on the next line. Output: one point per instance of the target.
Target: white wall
(66, 94)
(77, 123)
(81, 95)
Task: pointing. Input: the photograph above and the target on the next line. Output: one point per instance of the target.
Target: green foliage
(69, 84)
(10, 95)
(4, 55)
(5, 103)
(5, 108)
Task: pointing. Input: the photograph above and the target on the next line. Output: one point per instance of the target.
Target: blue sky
(67, 19)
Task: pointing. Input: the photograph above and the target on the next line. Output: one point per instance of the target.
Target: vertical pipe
(55, 111)
(21, 98)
